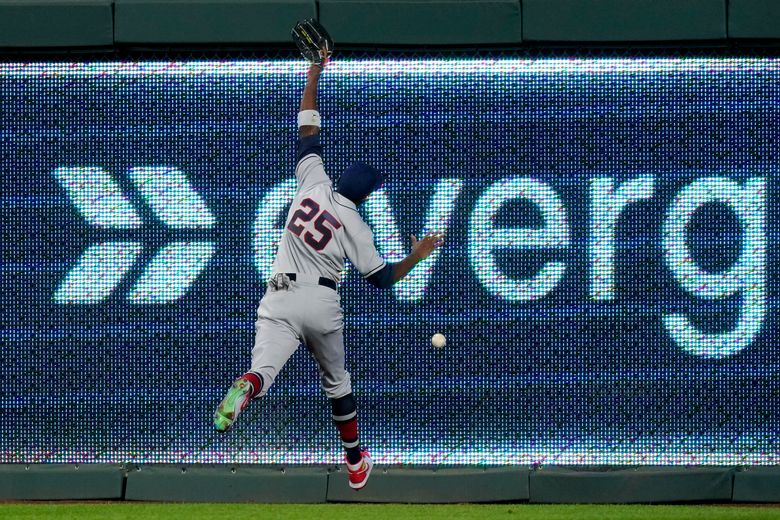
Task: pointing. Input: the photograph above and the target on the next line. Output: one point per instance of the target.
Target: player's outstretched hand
(423, 248)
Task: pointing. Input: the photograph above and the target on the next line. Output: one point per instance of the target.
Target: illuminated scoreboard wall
(608, 288)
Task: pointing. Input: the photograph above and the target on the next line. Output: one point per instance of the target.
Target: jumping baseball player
(302, 303)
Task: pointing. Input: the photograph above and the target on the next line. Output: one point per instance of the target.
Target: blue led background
(608, 287)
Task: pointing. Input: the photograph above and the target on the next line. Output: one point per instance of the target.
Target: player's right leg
(326, 341)
(275, 342)
(359, 463)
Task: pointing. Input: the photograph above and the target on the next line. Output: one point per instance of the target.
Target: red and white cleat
(358, 473)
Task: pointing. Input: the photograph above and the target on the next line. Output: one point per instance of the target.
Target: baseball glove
(313, 41)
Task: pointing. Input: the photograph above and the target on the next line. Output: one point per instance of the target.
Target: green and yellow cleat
(237, 398)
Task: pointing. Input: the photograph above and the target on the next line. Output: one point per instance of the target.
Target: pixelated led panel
(607, 289)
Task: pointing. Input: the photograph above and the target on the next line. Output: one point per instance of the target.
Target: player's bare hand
(423, 248)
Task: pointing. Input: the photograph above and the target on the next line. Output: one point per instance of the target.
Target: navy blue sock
(345, 418)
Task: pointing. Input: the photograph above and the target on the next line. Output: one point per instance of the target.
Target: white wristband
(308, 118)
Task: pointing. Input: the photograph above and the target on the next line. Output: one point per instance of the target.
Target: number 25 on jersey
(306, 213)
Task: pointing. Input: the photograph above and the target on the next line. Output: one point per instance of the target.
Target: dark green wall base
(434, 485)
(61, 482)
(404, 484)
(223, 483)
(631, 485)
(757, 484)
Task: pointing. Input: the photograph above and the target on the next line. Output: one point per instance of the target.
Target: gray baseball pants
(298, 312)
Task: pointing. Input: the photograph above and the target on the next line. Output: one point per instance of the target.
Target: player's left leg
(275, 341)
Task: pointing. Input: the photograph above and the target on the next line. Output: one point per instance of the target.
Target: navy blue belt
(325, 282)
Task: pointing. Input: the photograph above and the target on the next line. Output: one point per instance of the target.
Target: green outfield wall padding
(60, 482)
(223, 483)
(56, 23)
(754, 19)
(631, 485)
(622, 20)
(757, 484)
(209, 21)
(422, 22)
(433, 485)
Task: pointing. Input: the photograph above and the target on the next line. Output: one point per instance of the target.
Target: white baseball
(438, 340)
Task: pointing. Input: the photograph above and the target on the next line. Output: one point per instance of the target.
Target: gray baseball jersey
(322, 229)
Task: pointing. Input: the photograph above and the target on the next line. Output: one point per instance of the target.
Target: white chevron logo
(101, 268)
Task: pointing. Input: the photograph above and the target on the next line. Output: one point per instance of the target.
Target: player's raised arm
(316, 46)
(308, 114)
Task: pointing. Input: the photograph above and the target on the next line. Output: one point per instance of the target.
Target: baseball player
(301, 303)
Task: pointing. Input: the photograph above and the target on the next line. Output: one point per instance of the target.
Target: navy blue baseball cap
(358, 182)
